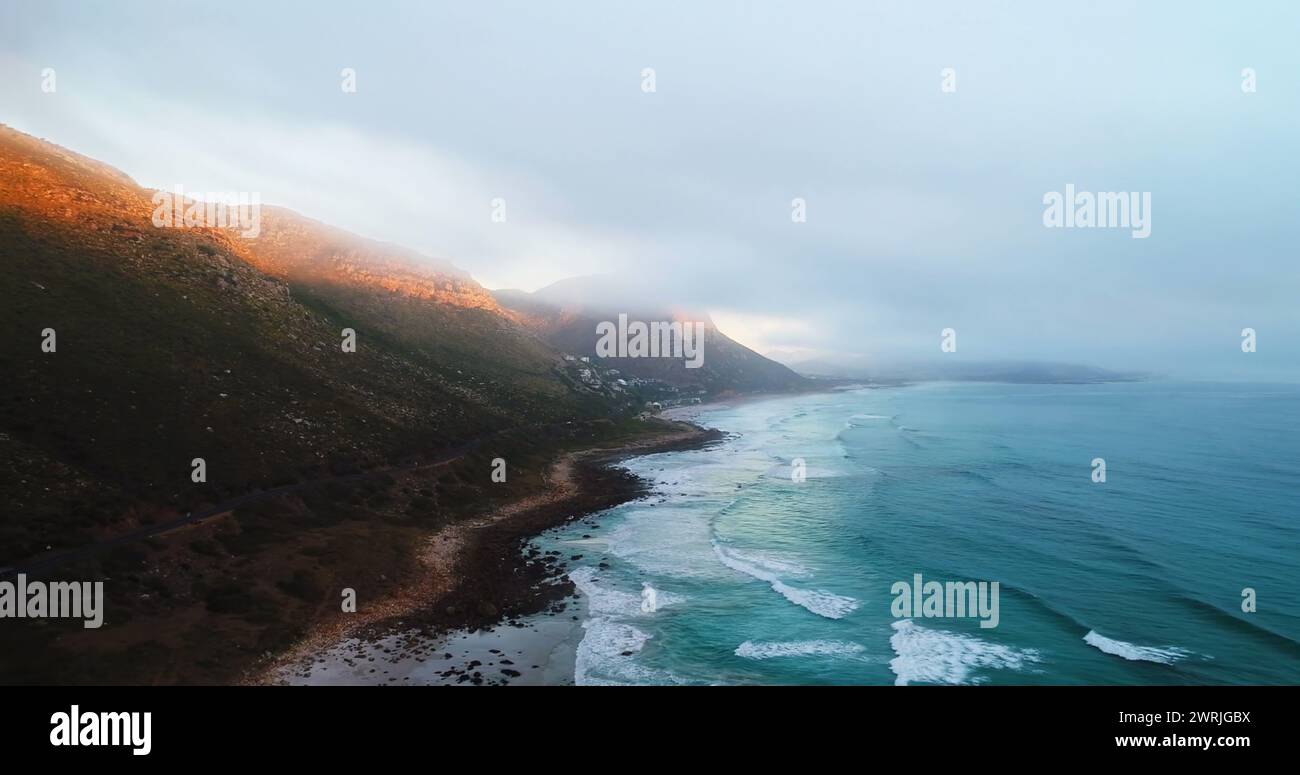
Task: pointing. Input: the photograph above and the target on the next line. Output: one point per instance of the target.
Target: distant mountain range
(849, 368)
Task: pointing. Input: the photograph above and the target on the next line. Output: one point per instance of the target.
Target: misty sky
(924, 208)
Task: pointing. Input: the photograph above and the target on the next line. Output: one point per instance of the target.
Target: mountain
(567, 315)
(171, 344)
(856, 368)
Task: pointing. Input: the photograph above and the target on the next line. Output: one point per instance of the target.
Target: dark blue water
(736, 571)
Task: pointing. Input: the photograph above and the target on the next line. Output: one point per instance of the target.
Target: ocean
(773, 556)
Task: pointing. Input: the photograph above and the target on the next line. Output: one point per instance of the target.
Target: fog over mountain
(571, 315)
(924, 207)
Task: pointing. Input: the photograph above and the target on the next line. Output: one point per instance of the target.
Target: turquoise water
(758, 578)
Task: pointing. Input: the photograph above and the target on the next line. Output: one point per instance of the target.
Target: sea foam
(820, 602)
(602, 601)
(936, 656)
(606, 655)
(798, 648)
(1165, 656)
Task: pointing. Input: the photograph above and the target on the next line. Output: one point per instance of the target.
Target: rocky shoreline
(479, 583)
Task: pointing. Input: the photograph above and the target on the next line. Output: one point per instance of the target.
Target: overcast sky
(924, 207)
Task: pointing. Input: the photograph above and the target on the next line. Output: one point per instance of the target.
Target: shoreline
(477, 580)
(685, 412)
